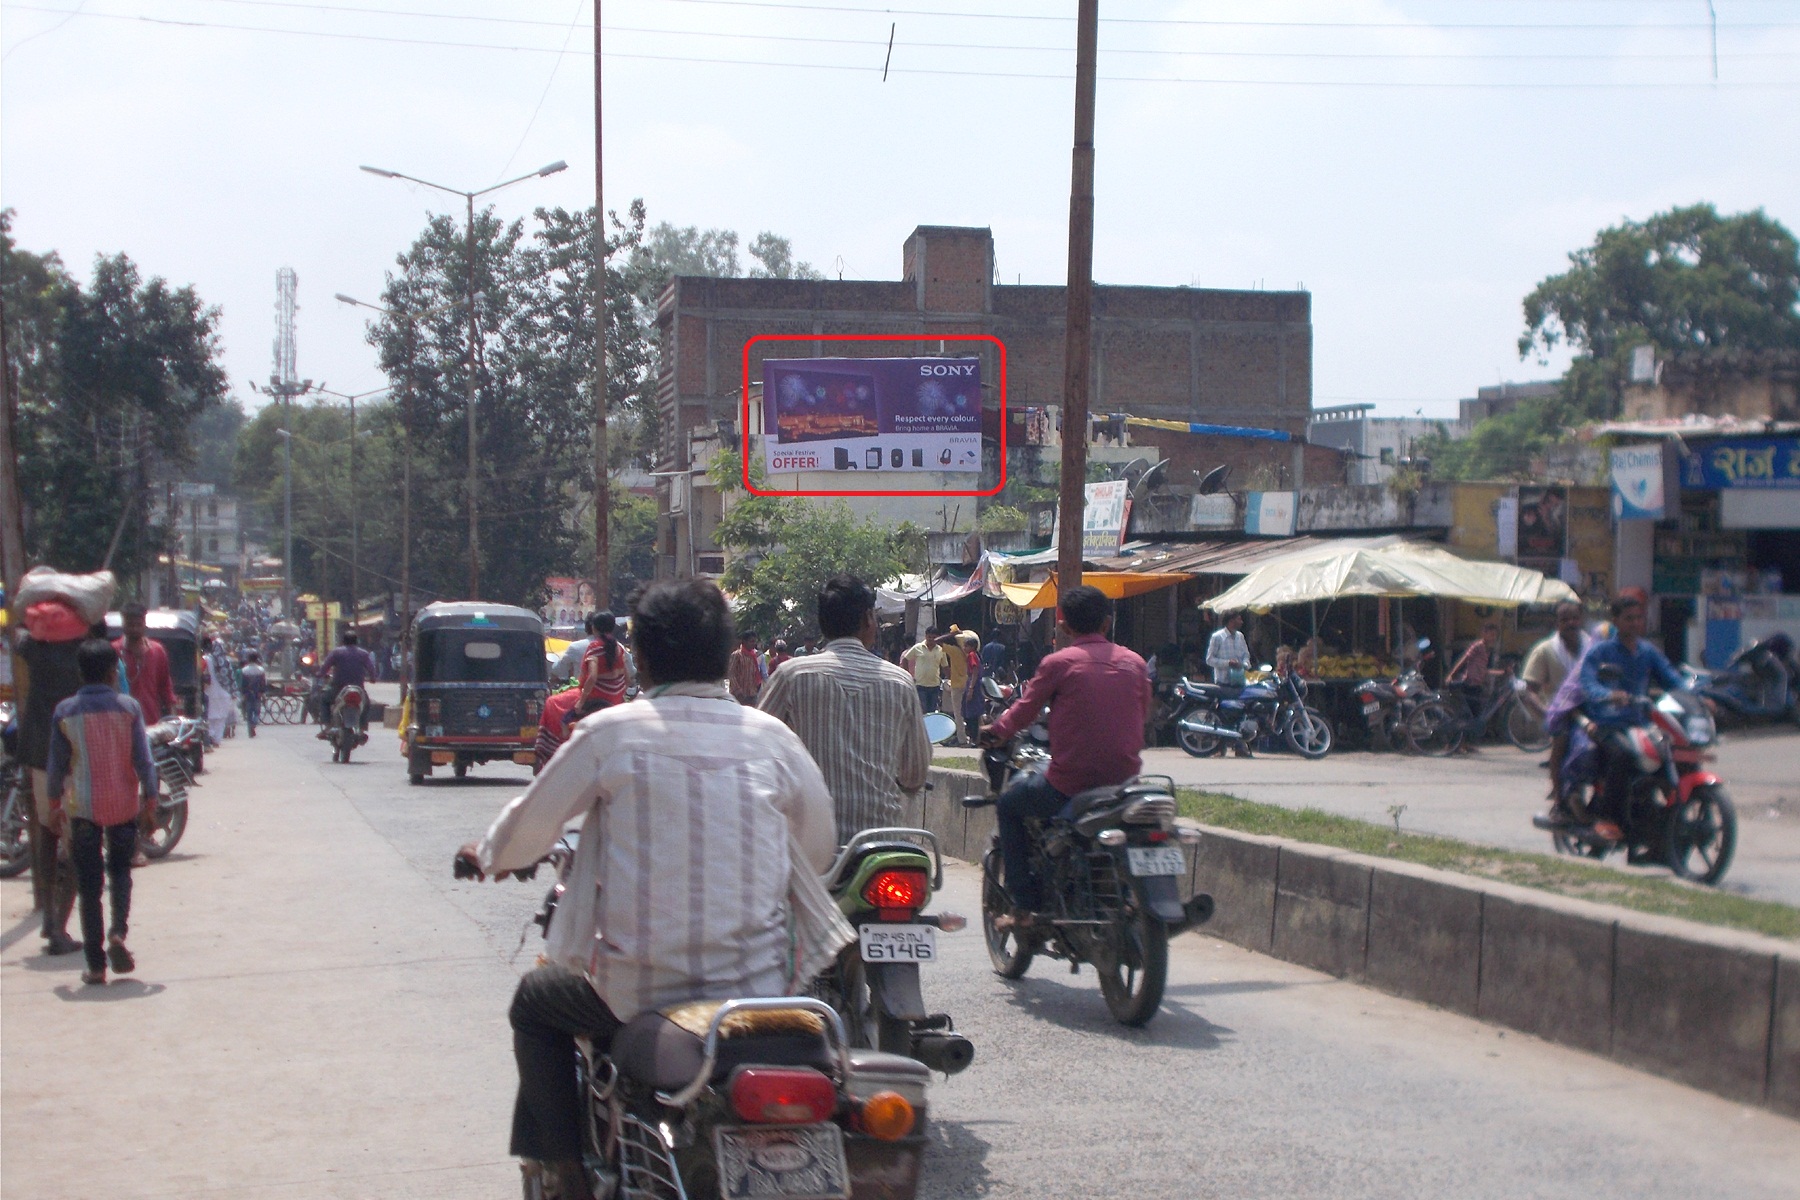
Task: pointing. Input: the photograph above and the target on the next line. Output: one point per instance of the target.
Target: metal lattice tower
(287, 283)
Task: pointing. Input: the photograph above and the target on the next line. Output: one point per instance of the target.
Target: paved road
(1491, 797)
(319, 1013)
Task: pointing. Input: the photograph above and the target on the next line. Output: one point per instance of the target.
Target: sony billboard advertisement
(871, 415)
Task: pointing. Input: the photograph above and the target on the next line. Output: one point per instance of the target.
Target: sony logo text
(947, 369)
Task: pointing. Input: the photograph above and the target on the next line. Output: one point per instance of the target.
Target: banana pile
(1348, 666)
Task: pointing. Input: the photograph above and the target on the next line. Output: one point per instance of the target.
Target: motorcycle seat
(662, 1049)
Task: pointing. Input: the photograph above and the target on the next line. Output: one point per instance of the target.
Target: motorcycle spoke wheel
(15, 847)
(171, 823)
(1702, 835)
(1432, 731)
(1200, 745)
(1525, 727)
(1309, 734)
(1011, 953)
(1133, 982)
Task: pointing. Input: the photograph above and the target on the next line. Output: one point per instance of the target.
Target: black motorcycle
(15, 801)
(1109, 865)
(1263, 715)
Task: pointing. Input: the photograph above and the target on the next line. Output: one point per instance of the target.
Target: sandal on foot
(94, 978)
(119, 956)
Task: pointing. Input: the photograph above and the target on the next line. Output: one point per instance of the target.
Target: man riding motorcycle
(702, 818)
(1609, 704)
(857, 714)
(348, 665)
(1099, 698)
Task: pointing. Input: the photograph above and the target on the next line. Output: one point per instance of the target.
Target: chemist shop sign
(1759, 462)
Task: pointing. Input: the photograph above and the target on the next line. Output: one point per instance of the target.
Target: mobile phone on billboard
(841, 458)
(897, 459)
(873, 458)
(918, 458)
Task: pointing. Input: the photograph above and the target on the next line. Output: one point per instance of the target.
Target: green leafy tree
(111, 378)
(1712, 290)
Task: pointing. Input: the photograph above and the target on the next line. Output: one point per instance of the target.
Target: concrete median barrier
(1321, 909)
(1424, 939)
(1694, 1005)
(1711, 1008)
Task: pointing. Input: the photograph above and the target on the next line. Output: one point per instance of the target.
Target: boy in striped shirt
(99, 768)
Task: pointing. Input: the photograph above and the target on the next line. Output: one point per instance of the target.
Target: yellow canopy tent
(1117, 584)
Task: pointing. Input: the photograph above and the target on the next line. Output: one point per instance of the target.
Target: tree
(1707, 289)
(111, 380)
(785, 549)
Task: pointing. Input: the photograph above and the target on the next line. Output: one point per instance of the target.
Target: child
(98, 746)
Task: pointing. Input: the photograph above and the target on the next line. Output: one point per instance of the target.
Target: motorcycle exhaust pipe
(946, 1052)
(1196, 912)
(1193, 726)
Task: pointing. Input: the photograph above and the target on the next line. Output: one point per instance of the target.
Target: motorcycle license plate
(898, 943)
(1156, 860)
(792, 1162)
(1372, 706)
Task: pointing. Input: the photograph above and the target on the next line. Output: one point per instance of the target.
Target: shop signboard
(1103, 520)
(1217, 511)
(1269, 514)
(872, 415)
(1640, 483)
(1748, 462)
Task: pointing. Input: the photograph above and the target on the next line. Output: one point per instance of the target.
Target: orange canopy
(1117, 584)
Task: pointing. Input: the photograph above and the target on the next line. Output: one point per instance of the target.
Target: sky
(1417, 165)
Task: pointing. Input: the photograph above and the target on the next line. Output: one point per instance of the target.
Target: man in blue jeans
(1099, 699)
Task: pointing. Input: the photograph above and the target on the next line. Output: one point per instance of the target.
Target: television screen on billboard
(872, 414)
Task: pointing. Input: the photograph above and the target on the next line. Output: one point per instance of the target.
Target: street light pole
(1078, 324)
(355, 522)
(602, 485)
(469, 354)
(285, 390)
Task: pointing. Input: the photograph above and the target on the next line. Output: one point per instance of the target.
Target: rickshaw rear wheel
(461, 768)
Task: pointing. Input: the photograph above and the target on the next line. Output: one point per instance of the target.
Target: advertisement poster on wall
(1641, 482)
(1103, 519)
(1543, 530)
(569, 601)
(872, 415)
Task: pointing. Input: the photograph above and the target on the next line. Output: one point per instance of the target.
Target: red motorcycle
(1674, 811)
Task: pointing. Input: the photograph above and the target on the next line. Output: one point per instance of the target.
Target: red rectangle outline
(872, 337)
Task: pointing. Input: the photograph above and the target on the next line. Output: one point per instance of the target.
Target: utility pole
(602, 484)
(12, 517)
(1078, 325)
(469, 388)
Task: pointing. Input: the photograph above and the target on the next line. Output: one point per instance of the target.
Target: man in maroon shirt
(146, 667)
(1099, 698)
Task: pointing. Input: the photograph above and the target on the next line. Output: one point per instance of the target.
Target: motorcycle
(882, 880)
(1750, 688)
(1264, 714)
(1406, 713)
(997, 697)
(15, 801)
(1674, 811)
(346, 729)
(1108, 865)
(756, 1097)
(172, 741)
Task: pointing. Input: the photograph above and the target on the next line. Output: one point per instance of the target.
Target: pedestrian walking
(255, 684)
(929, 663)
(45, 673)
(219, 701)
(744, 673)
(99, 771)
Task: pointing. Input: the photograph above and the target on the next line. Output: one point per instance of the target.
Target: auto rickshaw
(479, 681)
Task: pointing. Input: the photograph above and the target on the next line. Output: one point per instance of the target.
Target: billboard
(1640, 483)
(1755, 462)
(872, 415)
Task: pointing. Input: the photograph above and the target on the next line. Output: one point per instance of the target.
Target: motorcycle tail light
(352, 700)
(434, 711)
(1158, 835)
(885, 1115)
(783, 1096)
(1367, 697)
(534, 708)
(896, 887)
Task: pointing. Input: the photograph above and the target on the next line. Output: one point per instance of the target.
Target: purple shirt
(1099, 697)
(348, 665)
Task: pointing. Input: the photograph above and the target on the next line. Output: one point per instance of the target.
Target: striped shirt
(100, 756)
(680, 885)
(859, 717)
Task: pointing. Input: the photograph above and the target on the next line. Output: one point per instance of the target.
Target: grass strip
(1562, 876)
(957, 762)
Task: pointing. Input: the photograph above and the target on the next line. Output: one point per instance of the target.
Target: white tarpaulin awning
(1398, 570)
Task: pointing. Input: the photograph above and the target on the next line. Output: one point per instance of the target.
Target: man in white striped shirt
(680, 887)
(857, 714)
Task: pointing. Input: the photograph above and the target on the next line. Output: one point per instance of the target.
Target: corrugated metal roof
(1231, 558)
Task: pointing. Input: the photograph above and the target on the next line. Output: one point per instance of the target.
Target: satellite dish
(1215, 480)
(1148, 480)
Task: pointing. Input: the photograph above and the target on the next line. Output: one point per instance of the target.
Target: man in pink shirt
(146, 667)
(1099, 698)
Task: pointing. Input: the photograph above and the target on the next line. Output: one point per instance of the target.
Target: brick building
(1185, 354)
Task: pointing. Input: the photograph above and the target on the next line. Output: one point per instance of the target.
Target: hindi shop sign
(1754, 462)
(871, 415)
(1103, 518)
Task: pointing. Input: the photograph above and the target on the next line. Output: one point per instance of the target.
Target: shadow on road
(956, 1160)
(1083, 1010)
(1232, 989)
(29, 922)
(123, 989)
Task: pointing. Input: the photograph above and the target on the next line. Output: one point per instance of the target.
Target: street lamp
(469, 354)
(355, 525)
